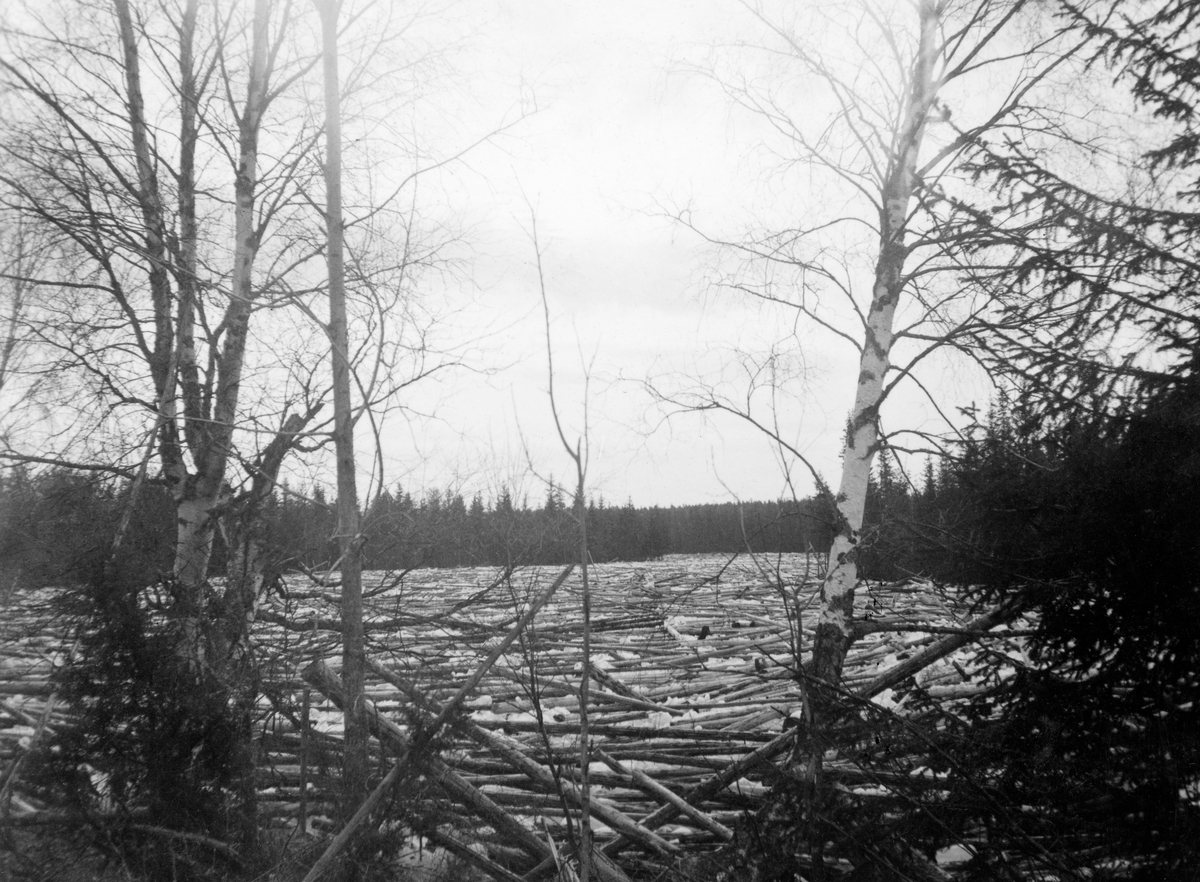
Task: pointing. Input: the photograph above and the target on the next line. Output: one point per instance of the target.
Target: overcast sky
(620, 129)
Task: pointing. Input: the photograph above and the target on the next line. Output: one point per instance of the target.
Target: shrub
(153, 742)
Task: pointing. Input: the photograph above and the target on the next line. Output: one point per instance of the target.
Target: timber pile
(31, 644)
(691, 692)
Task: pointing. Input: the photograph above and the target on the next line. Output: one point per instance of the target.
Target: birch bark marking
(832, 638)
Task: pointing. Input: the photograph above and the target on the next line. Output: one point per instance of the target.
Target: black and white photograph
(661, 441)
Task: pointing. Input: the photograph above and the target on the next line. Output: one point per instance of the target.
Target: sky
(621, 131)
(604, 133)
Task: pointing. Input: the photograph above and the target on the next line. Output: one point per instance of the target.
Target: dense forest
(57, 526)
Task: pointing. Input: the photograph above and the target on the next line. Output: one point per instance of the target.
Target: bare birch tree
(908, 93)
(143, 226)
(172, 154)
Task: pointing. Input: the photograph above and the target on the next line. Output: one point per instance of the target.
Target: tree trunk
(198, 496)
(245, 582)
(833, 633)
(187, 277)
(194, 533)
(150, 203)
(585, 747)
(218, 651)
(354, 769)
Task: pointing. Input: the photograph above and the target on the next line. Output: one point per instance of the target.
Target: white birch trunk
(201, 494)
(209, 436)
(833, 633)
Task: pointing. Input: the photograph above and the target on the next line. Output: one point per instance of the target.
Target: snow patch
(953, 854)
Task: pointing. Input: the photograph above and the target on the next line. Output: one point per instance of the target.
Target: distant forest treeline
(57, 524)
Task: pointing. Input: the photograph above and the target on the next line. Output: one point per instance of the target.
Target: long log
(26, 687)
(714, 785)
(973, 631)
(611, 816)
(373, 799)
(645, 782)
(471, 682)
(456, 786)
(617, 693)
(647, 732)
(19, 715)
